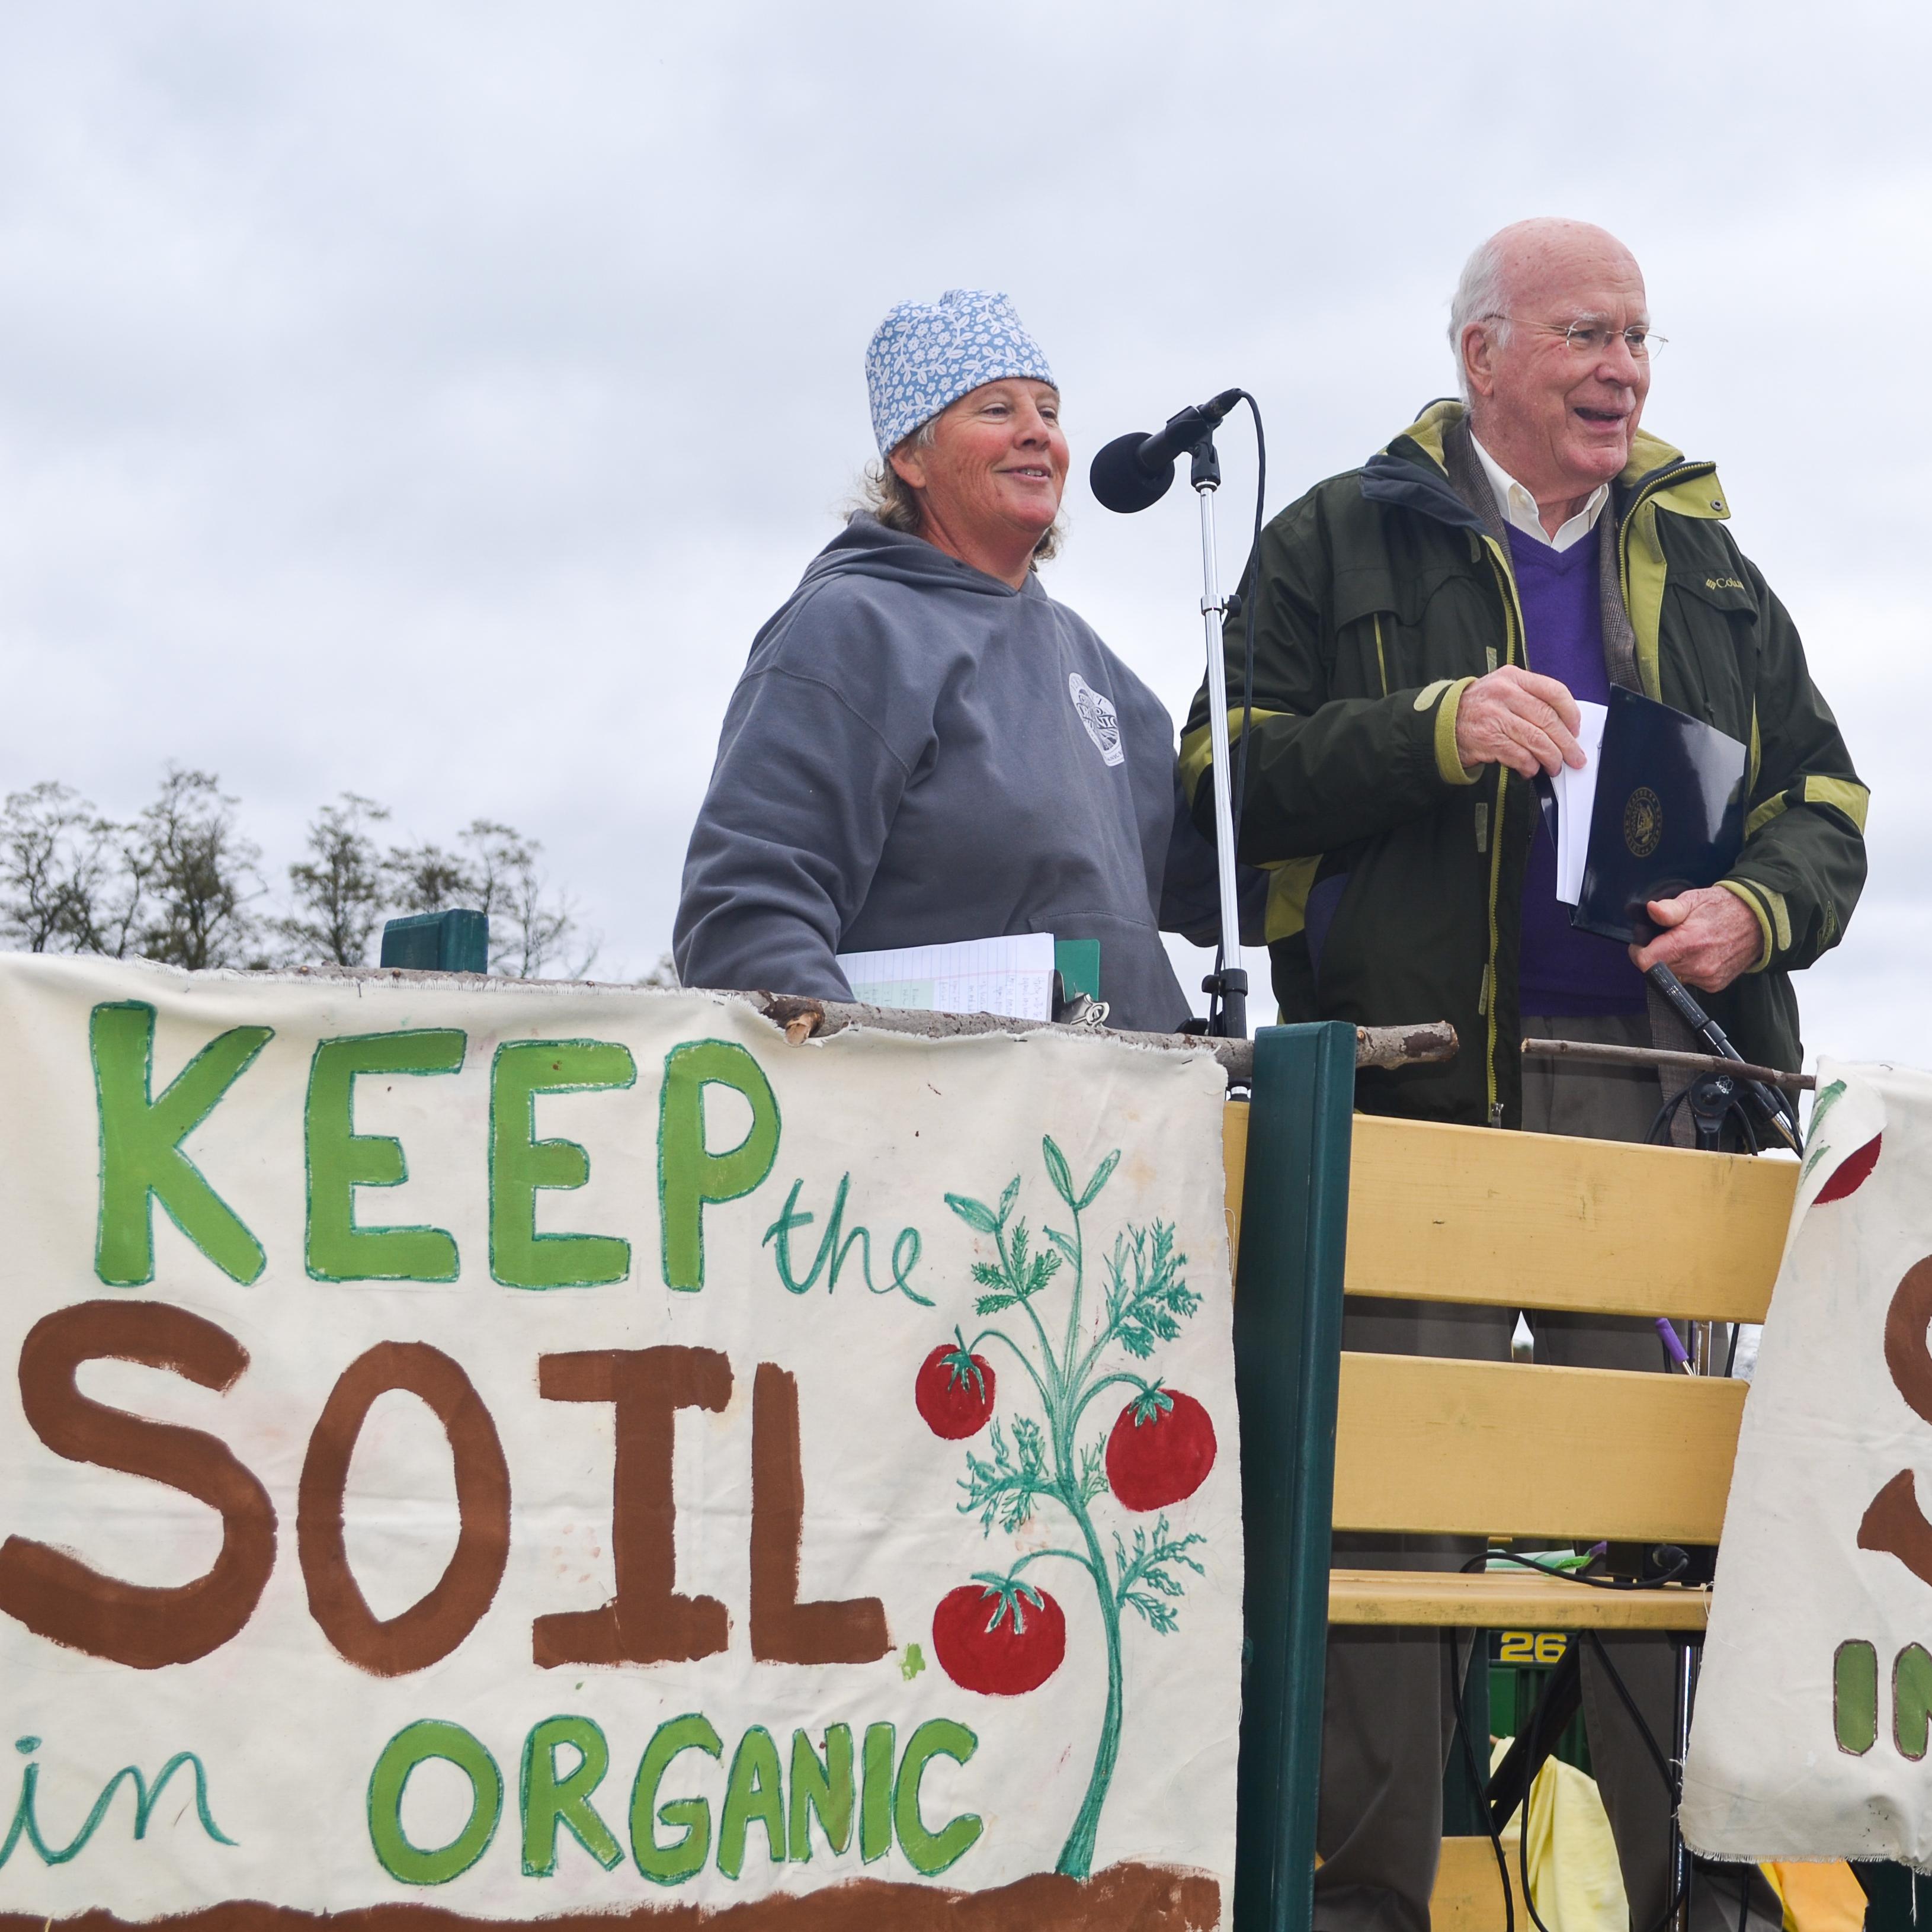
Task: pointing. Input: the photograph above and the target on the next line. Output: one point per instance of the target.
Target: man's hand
(1514, 717)
(1710, 937)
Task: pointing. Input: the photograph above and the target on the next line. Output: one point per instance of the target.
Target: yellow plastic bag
(1818, 1898)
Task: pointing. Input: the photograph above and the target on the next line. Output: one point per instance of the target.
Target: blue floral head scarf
(925, 355)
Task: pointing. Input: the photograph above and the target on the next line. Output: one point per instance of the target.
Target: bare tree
(185, 856)
(179, 884)
(338, 891)
(425, 878)
(57, 857)
(530, 927)
(662, 978)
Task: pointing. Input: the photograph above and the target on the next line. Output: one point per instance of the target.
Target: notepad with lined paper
(1012, 975)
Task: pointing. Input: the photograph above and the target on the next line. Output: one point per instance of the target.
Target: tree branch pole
(1654, 1056)
(1422, 1044)
(803, 1019)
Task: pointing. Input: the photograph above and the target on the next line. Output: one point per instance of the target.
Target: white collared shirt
(1518, 507)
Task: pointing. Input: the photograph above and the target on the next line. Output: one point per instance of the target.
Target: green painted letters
(1855, 1696)
(549, 1801)
(823, 1787)
(520, 1164)
(1911, 1699)
(427, 1739)
(672, 1863)
(875, 1801)
(754, 1794)
(930, 1852)
(141, 1157)
(341, 1160)
(689, 1176)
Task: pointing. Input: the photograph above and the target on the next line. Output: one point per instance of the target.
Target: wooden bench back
(1471, 1216)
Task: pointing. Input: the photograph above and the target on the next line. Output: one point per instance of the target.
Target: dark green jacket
(1380, 597)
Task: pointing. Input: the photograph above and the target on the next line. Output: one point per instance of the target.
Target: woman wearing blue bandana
(924, 746)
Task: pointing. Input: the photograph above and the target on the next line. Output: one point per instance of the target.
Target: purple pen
(1672, 1346)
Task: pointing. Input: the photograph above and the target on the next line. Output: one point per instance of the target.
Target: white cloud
(432, 401)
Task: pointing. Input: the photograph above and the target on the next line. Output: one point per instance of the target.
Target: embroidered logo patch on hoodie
(1097, 713)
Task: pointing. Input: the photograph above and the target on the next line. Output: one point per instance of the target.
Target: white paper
(1576, 793)
(1012, 976)
(832, 1263)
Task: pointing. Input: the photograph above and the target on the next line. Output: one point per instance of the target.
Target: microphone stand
(1227, 986)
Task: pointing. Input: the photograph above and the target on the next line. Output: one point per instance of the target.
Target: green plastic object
(1287, 1355)
(1892, 1893)
(1078, 963)
(455, 941)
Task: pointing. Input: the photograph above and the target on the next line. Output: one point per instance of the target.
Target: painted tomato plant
(954, 1390)
(993, 1634)
(1855, 1170)
(1161, 1449)
(999, 1635)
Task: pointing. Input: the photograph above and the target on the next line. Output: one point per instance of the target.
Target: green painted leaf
(974, 1213)
(1058, 1172)
(1101, 1175)
(1828, 1097)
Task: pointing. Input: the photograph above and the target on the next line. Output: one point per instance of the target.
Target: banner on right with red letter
(1810, 1738)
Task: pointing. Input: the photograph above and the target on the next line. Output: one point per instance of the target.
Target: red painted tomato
(954, 1390)
(999, 1638)
(1160, 1450)
(1852, 1172)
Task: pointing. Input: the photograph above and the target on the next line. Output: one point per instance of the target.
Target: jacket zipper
(1514, 629)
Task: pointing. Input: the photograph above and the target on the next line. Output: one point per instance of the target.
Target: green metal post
(1287, 1344)
(457, 941)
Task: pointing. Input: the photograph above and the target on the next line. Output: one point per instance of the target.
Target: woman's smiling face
(991, 477)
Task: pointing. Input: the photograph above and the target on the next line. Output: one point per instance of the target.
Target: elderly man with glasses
(1423, 627)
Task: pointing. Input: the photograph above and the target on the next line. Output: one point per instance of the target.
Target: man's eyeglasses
(1593, 339)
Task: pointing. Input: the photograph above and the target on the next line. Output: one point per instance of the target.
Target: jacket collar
(1410, 472)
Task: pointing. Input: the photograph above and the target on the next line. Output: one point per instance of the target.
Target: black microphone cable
(1677, 1567)
(1239, 776)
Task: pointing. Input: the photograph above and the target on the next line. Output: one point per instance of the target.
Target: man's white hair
(1479, 297)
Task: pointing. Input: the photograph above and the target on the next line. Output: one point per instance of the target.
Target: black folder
(1669, 815)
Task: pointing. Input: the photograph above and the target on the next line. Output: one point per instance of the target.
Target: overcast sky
(431, 400)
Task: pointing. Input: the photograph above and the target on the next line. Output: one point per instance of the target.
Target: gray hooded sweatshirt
(918, 753)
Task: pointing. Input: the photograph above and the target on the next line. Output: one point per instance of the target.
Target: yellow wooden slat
(1509, 1448)
(1468, 1893)
(1498, 1601)
(1234, 1159)
(1469, 1214)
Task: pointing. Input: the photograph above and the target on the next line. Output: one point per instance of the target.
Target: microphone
(1137, 469)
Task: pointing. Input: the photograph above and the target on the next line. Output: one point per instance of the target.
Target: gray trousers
(1389, 1721)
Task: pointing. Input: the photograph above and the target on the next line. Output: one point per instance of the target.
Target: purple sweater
(1563, 973)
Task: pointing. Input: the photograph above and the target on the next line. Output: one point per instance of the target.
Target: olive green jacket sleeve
(1803, 864)
(1329, 762)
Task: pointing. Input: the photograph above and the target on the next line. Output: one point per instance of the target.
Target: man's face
(1558, 399)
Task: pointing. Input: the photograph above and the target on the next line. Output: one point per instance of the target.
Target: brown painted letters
(1894, 1523)
(434, 1626)
(61, 1598)
(784, 1631)
(646, 1621)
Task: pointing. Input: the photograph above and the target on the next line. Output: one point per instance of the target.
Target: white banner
(1809, 1739)
(531, 1450)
